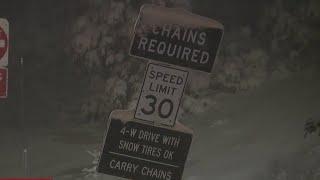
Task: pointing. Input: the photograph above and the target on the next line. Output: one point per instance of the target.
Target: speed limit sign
(161, 94)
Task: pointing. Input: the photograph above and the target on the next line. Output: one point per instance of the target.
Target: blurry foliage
(303, 166)
(290, 31)
(242, 64)
(283, 41)
(99, 47)
(311, 126)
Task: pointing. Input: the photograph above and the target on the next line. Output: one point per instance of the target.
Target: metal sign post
(23, 124)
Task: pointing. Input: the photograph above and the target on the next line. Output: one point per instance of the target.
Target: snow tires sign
(139, 151)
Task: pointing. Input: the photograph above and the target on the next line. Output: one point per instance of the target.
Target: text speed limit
(161, 94)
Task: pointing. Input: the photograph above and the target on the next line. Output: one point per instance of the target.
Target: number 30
(153, 103)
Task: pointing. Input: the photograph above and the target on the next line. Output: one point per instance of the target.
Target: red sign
(3, 83)
(4, 42)
(26, 179)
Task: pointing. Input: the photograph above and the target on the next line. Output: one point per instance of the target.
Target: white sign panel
(4, 42)
(161, 94)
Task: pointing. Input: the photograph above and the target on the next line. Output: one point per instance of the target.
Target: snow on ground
(254, 129)
(240, 138)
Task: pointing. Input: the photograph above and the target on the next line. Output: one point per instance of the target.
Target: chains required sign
(4, 42)
(161, 94)
(177, 37)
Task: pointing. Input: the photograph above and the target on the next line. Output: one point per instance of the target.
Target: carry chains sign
(177, 37)
(161, 94)
(4, 42)
(139, 151)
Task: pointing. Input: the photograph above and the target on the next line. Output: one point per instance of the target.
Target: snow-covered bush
(242, 63)
(99, 46)
(303, 165)
(289, 30)
(91, 172)
(282, 42)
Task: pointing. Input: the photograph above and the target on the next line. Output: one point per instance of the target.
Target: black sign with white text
(161, 35)
(139, 151)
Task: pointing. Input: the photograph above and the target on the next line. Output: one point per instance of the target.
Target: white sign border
(180, 98)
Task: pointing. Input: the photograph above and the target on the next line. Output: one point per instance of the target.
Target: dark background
(248, 116)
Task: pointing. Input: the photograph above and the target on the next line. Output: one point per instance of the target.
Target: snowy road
(254, 130)
(241, 139)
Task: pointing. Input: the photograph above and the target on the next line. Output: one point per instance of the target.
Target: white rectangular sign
(4, 42)
(161, 94)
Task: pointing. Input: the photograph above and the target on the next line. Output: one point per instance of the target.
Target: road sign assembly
(157, 147)
(161, 94)
(177, 37)
(3, 82)
(4, 42)
(136, 150)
